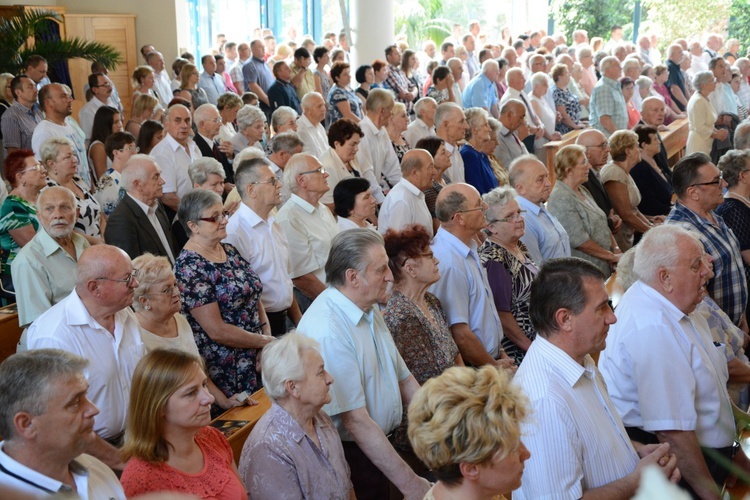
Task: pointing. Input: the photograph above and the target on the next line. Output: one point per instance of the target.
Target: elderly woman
(143, 79)
(583, 220)
(228, 105)
(59, 157)
(565, 102)
(365, 76)
(283, 119)
(656, 189)
(627, 87)
(342, 101)
(442, 158)
(501, 173)
(396, 127)
(576, 72)
(251, 126)
(119, 147)
(547, 115)
(621, 188)
(220, 296)
(465, 426)
(169, 442)
(702, 116)
(354, 204)
(510, 270)
(477, 167)
(340, 161)
(275, 462)
(150, 134)
(673, 111)
(414, 316)
(144, 108)
(735, 83)
(107, 121)
(189, 89)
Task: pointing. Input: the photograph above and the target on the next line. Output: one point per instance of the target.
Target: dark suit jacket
(662, 160)
(128, 228)
(598, 192)
(207, 151)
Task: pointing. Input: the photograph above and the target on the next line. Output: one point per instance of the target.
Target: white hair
(659, 249)
(283, 362)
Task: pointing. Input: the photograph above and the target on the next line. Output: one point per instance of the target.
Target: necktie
(532, 115)
(217, 153)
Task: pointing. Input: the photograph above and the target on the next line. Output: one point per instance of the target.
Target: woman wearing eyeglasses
(18, 223)
(220, 296)
(510, 269)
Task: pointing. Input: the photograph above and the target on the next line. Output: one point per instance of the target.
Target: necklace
(210, 254)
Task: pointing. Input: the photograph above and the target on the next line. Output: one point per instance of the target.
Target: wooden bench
(10, 332)
(249, 413)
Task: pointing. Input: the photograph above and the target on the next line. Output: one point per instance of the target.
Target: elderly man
(424, 123)
(481, 92)
(261, 241)
(377, 159)
(139, 224)
(309, 226)
(545, 238)
(644, 49)
(174, 154)
(676, 81)
(713, 45)
(451, 126)
(697, 64)
(718, 99)
(358, 350)
(536, 63)
(516, 83)
(44, 269)
(631, 68)
(101, 91)
(698, 185)
(257, 76)
(457, 70)
(404, 89)
(162, 84)
(578, 438)
(208, 123)
(235, 71)
(742, 136)
(405, 203)
(57, 104)
(683, 402)
(95, 322)
(210, 81)
(20, 119)
(47, 423)
(597, 155)
(473, 319)
(509, 145)
(310, 125)
(283, 146)
(608, 111)
(743, 64)
(652, 114)
(281, 92)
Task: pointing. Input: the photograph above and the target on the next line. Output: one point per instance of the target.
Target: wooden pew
(249, 413)
(10, 332)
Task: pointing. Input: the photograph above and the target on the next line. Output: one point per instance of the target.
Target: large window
(235, 18)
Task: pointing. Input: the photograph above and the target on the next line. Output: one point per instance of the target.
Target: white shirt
(575, 435)
(664, 371)
(163, 87)
(309, 231)
(112, 358)
(46, 130)
(512, 93)
(417, 130)
(87, 113)
(263, 244)
(404, 205)
(716, 98)
(151, 215)
(93, 479)
(314, 137)
(336, 171)
(174, 162)
(456, 170)
(458, 93)
(377, 158)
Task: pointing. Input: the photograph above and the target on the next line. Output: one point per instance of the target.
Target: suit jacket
(596, 188)
(208, 151)
(662, 160)
(128, 228)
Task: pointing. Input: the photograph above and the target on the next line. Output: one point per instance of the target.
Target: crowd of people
(392, 262)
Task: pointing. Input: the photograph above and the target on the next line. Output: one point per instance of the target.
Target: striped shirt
(18, 124)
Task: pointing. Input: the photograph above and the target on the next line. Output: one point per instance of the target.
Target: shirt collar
(148, 210)
(351, 310)
(174, 145)
(303, 204)
(367, 123)
(38, 478)
(210, 142)
(451, 240)
(649, 292)
(248, 215)
(568, 368)
(528, 205)
(50, 246)
(411, 188)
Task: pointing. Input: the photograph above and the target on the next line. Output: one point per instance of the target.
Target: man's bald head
(652, 111)
(597, 147)
(100, 261)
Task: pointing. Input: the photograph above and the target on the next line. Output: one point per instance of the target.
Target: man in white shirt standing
(377, 159)
(451, 126)
(405, 203)
(101, 89)
(309, 126)
(162, 84)
(261, 241)
(47, 422)
(424, 124)
(235, 71)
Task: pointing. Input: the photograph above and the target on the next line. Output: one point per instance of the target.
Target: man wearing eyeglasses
(101, 89)
(95, 322)
(698, 184)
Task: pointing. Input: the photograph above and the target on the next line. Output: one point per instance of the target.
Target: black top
(656, 192)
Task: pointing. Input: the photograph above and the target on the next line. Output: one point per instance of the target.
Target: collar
(40, 480)
(210, 142)
(367, 123)
(669, 309)
(351, 310)
(505, 131)
(452, 240)
(568, 369)
(528, 205)
(276, 169)
(610, 82)
(687, 212)
(305, 122)
(411, 188)
(303, 204)
(174, 145)
(247, 214)
(50, 246)
(148, 210)
(258, 60)
(450, 147)
(292, 426)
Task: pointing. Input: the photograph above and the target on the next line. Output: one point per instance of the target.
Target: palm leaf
(59, 50)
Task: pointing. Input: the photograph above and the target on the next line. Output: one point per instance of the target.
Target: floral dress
(109, 193)
(510, 281)
(236, 289)
(15, 213)
(564, 97)
(89, 211)
(341, 94)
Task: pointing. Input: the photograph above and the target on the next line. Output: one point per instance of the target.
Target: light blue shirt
(464, 291)
(545, 238)
(480, 92)
(214, 86)
(359, 352)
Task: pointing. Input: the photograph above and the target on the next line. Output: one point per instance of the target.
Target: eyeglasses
(38, 167)
(272, 181)
(428, 255)
(105, 84)
(513, 218)
(215, 120)
(217, 218)
(603, 145)
(319, 170)
(716, 181)
(167, 291)
(131, 149)
(483, 206)
(127, 279)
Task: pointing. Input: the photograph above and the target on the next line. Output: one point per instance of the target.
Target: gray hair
(281, 116)
(701, 78)
(495, 125)
(423, 103)
(297, 164)
(475, 117)
(444, 110)
(193, 204)
(625, 273)
(496, 200)
(349, 250)
(310, 96)
(201, 113)
(247, 172)
(644, 82)
(585, 51)
(658, 249)
(631, 62)
(54, 189)
(27, 380)
(152, 269)
(283, 362)
(607, 62)
(286, 142)
(51, 148)
(448, 206)
(248, 153)
(517, 168)
(135, 170)
(488, 65)
(742, 136)
(742, 63)
(248, 115)
(200, 169)
(732, 164)
(378, 99)
(539, 78)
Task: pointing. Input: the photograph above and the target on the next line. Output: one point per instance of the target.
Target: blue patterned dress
(236, 289)
(340, 94)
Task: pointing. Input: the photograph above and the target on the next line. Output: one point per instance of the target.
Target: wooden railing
(251, 414)
(10, 332)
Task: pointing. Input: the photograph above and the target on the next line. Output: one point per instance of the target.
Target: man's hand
(616, 221)
(658, 454)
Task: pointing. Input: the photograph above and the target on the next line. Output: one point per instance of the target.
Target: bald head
(515, 79)
(597, 147)
(451, 200)
(418, 167)
(652, 111)
(100, 261)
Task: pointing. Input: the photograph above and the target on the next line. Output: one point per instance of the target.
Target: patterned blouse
(426, 344)
(400, 150)
(15, 213)
(109, 193)
(510, 281)
(89, 211)
(436, 94)
(236, 289)
(564, 97)
(341, 94)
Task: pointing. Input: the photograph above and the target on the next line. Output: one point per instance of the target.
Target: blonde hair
(140, 73)
(152, 269)
(566, 159)
(185, 74)
(142, 103)
(465, 415)
(620, 142)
